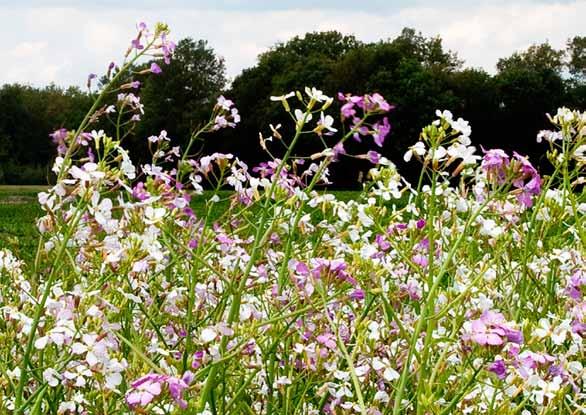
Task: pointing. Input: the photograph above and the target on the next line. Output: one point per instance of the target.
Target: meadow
(19, 210)
(464, 292)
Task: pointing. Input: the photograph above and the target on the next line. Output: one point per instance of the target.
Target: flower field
(461, 293)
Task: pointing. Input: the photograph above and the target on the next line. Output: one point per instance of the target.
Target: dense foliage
(415, 73)
(464, 293)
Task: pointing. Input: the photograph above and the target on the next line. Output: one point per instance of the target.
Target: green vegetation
(19, 209)
(415, 73)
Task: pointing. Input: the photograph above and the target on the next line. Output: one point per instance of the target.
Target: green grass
(19, 210)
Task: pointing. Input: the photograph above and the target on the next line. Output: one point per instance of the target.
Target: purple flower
(90, 78)
(357, 294)
(176, 388)
(348, 110)
(156, 69)
(421, 260)
(498, 368)
(135, 44)
(382, 242)
(532, 187)
(145, 389)
(140, 193)
(381, 130)
(373, 157)
(59, 137)
(168, 48)
(198, 358)
(328, 340)
(339, 150)
(379, 103)
(495, 162)
(577, 282)
(524, 177)
(491, 329)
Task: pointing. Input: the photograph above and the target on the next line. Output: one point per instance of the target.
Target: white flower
(439, 153)
(326, 122)
(463, 127)
(463, 152)
(281, 380)
(95, 351)
(490, 228)
(154, 215)
(374, 331)
(544, 389)
(418, 149)
(389, 374)
(446, 115)
(88, 173)
(316, 94)
(557, 334)
(301, 117)
(208, 335)
(224, 103)
(41, 342)
(51, 376)
(282, 98)
(381, 396)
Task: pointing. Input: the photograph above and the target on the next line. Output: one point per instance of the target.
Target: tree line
(416, 73)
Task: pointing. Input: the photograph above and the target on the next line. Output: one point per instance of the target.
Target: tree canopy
(414, 72)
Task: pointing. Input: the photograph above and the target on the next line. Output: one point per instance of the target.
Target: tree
(576, 55)
(180, 99)
(538, 57)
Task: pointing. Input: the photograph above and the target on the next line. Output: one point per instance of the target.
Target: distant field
(19, 209)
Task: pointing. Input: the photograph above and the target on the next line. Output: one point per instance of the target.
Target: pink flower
(381, 130)
(498, 368)
(145, 389)
(491, 329)
(328, 340)
(176, 388)
(156, 69)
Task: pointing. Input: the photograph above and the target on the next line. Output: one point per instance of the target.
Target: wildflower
(376, 103)
(224, 103)
(498, 368)
(325, 123)
(51, 376)
(283, 100)
(145, 389)
(418, 149)
(381, 130)
(90, 78)
(208, 335)
(156, 69)
(491, 329)
(557, 334)
(316, 94)
(160, 138)
(302, 117)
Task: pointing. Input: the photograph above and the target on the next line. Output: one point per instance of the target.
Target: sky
(63, 41)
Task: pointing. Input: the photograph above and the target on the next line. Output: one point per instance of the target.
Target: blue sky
(62, 41)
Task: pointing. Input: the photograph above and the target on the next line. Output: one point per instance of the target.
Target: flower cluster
(368, 105)
(157, 290)
(519, 172)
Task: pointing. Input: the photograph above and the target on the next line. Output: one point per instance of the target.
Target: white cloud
(62, 45)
